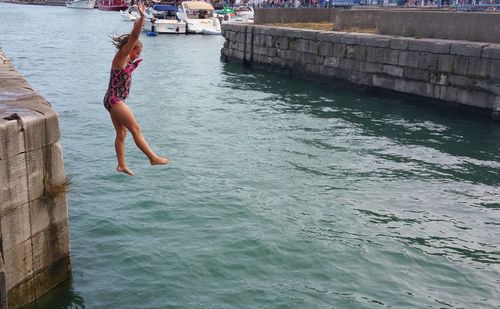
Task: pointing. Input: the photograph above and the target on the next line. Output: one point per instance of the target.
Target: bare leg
(123, 114)
(121, 133)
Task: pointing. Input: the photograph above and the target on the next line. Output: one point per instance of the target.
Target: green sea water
(282, 193)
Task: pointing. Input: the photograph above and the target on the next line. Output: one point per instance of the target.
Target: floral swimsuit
(120, 81)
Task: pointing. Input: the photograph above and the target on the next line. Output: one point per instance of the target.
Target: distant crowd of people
(325, 3)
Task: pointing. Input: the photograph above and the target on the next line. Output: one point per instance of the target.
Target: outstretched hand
(141, 8)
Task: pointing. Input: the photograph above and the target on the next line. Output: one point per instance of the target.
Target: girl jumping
(124, 63)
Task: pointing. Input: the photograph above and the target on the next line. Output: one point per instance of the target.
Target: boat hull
(165, 26)
(81, 4)
(111, 5)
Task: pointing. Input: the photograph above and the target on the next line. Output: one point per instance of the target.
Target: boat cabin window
(199, 14)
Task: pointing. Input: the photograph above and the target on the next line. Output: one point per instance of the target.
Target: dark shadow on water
(404, 119)
(61, 297)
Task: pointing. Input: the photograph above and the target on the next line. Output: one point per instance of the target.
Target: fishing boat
(162, 18)
(80, 4)
(199, 17)
(111, 5)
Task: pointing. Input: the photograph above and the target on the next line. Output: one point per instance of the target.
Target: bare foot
(159, 161)
(124, 169)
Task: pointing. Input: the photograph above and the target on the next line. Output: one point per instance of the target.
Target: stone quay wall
(461, 72)
(34, 232)
(292, 15)
(452, 25)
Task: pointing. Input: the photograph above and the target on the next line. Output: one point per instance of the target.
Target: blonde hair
(120, 40)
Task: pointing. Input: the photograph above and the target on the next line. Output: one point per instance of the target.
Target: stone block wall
(293, 15)
(461, 72)
(452, 25)
(34, 243)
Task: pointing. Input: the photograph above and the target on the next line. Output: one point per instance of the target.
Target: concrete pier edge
(34, 231)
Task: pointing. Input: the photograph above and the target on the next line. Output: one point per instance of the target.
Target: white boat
(163, 19)
(211, 31)
(81, 4)
(130, 14)
(243, 14)
(199, 17)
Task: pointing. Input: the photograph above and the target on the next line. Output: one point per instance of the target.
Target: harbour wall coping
(466, 26)
(466, 73)
(443, 24)
(35, 248)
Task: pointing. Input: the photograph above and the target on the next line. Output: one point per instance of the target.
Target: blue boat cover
(164, 7)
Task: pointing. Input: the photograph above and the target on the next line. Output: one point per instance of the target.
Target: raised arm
(121, 56)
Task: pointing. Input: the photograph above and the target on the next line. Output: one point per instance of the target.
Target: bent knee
(135, 129)
(121, 133)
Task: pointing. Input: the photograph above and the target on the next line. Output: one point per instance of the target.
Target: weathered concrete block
(491, 51)
(330, 37)
(393, 70)
(325, 48)
(19, 263)
(48, 278)
(487, 86)
(51, 245)
(438, 78)
(460, 81)
(445, 63)
(428, 61)
(307, 34)
(15, 226)
(474, 98)
(374, 40)
(383, 81)
(495, 69)
(3, 285)
(370, 67)
(391, 56)
(429, 45)
(349, 65)
(327, 72)
(313, 68)
(348, 38)
(399, 43)
(448, 93)
(333, 62)
(13, 185)
(411, 86)
(339, 50)
(464, 48)
(259, 40)
(270, 40)
(479, 68)
(408, 59)
(349, 52)
(22, 294)
(307, 46)
(416, 74)
(375, 54)
(461, 65)
(11, 137)
(360, 52)
(281, 43)
(47, 211)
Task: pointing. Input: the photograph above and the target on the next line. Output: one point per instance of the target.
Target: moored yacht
(199, 17)
(111, 5)
(80, 4)
(163, 18)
